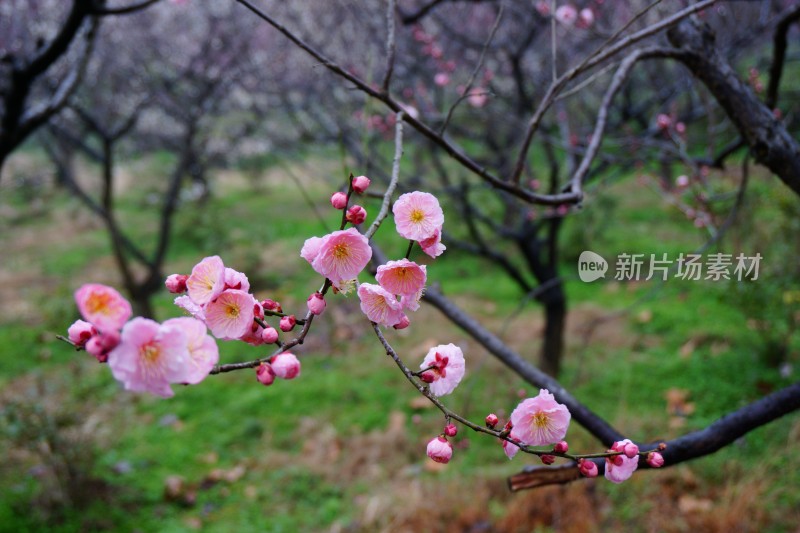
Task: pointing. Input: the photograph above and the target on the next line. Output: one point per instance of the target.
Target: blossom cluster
(142, 354)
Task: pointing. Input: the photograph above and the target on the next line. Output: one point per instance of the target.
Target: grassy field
(342, 448)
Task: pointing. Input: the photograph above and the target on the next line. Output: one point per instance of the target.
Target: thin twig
(390, 45)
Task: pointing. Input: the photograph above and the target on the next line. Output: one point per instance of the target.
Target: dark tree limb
(779, 55)
(769, 141)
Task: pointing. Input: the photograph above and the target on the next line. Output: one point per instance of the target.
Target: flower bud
(440, 450)
(491, 420)
(101, 344)
(269, 335)
(339, 200)
(450, 430)
(587, 468)
(561, 447)
(80, 332)
(662, 446)
(655, 460)
(356, 215)
(403, 324)
(316, 303)
(272, 305)
(360, 183)
(265, 374)
(630, 450)
(427, 377)
(285, 365)
(287, 323)
(663, 121)
(176, 283)
(548, 459)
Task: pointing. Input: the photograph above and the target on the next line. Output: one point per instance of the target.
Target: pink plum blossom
(102, 306)
(510, 449)
(417, 215)
(477, 97)
(403, 277)
(202, 348)
(663, 121)
(176, 283)
(682, 180)
(80, 332)
(433, 246)
(587, 468)
(585, 18)
(440, 450)
(207, 280)
(448, 369)
(188, 305)
(360, 184)
(566, 15)
(441, 79)
(380, 306)
(541, 420)
(316, 303)
(236, 280)
(150, 357)
(285, 365)
(231, 315)
(339, 200)
(356, 215)
(339, 256)
(620, 467)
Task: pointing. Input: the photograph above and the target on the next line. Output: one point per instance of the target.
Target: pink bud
(316, 303)
(548, 459)
(269, 335)
(80, 332)
(663, 121)
(587, 468)
(287, 323)
(682, 180)
(450, 430)
(360, 183)
(630, 450)
(285, 365)
(440, 450)
(339, 200)
(271, 305)
(655, 459)
(356, 215)
(265, 374)
(617, 460)
(427, 377)
(491, 420)
(441, 79)
(101, 344)
(680, 127)
(403, 324)
(176, 283)
(561, 447)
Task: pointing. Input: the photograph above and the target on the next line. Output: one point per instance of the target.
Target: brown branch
(779, 55)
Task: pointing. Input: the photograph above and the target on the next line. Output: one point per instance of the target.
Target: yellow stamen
(417, 216)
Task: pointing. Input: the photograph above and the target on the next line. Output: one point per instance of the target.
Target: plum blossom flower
(380, 306)
(587, 468)
(339, 256)
(230, 316)
(433, 245)
(202, 348)
(620, 467)
(417, 215)
(566, 15)
(207, 280)
(541, 420)
(188, 305)
(440, 450)
(236, 280)
(441, 79)
(448, 365)
(150, 357)
(102, 306)
(403, 277)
